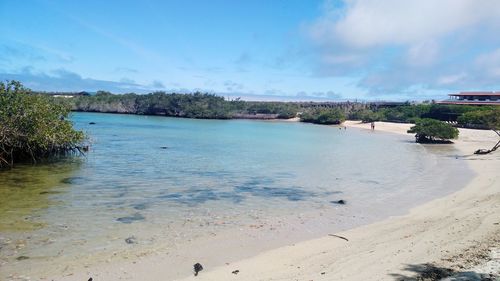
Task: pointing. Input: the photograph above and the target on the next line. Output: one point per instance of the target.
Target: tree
(489, 119)
(494, 124)
(32, 127)
(431, 131)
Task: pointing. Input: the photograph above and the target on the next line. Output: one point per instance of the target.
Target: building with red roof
(473, 98)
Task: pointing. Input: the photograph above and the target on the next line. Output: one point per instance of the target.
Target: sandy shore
(438, 232)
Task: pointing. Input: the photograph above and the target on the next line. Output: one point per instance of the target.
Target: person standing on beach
(373, 125)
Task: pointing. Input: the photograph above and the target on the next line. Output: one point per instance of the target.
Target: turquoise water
(166, 181)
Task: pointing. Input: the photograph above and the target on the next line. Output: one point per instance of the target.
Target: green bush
(365, 115)
(487, 119)
(429, 130)
(325, 116)
(32, 127)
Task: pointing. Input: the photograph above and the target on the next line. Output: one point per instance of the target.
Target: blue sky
(279, 49)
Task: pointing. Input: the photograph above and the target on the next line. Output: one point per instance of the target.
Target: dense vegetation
(430, 131)
(487, 118)
(209, 106)
(409, 113)
(324, 116)
(196, 105)
(464, 116)
(32, 127)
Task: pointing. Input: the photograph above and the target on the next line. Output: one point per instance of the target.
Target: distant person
(373, 125)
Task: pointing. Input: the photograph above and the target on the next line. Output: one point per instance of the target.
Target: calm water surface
(166, 181)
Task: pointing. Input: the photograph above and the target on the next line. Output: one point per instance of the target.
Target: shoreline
(399, 247)
(266, 265)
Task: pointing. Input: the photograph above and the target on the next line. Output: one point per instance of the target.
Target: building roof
(469, 102)
(476, 94)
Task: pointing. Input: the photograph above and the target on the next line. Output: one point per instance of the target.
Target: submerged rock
(20, 258)
(131, 219)
(73, 180)
(91, 123)
(131, 240)
(50, 192)
(141, 206)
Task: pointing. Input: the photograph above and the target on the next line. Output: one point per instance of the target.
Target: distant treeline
(210, 106)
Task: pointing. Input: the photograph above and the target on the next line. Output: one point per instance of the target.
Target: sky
(255, 49)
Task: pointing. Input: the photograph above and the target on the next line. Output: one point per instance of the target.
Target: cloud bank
(395, 46)
(64, 80)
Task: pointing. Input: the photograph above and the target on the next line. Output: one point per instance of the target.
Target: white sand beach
(449, 232)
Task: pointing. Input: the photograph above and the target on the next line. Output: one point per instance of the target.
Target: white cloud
(451, 79)
(489, 63)
(368, 23)
(396, 45)
(423, 54)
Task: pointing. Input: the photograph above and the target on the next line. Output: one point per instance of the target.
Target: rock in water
(131, 219)
(131, 240)
(197, 268)
(91, 123)
(341, 202)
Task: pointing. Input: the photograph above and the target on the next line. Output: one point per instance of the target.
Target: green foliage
(431, 130)
(450, 112)
(487, 119)
(324, 116)
(32, 127)
(209, 106)
(365, 115)
(282, 109)
(405, 113)
(410, 113)
(196, 105)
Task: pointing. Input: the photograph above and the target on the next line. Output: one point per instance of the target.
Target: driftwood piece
(486, 151)
(338, 236)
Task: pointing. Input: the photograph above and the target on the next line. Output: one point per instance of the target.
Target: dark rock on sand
(20, 258)
(235, 271)
(341, 202)
(197, 268)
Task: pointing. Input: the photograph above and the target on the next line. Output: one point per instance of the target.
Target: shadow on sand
(430, 272)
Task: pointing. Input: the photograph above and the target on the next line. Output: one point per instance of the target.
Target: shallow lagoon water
(168, 181)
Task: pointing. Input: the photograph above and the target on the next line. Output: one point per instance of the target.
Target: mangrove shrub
(32, 127)
(430, 130)
(323, 116)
